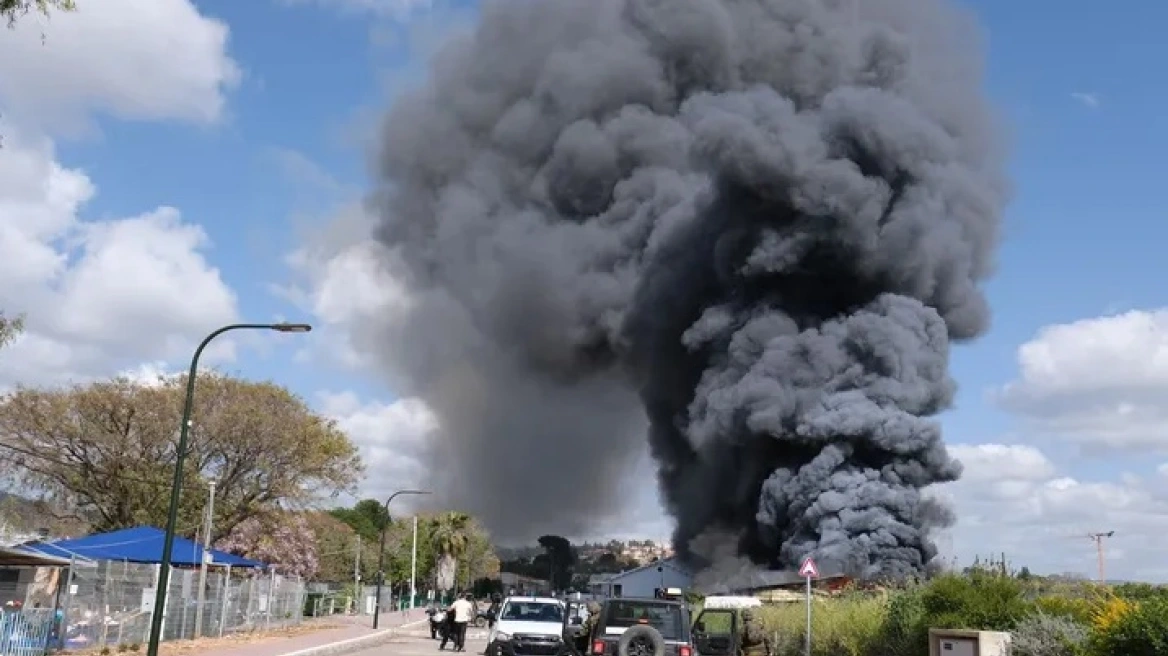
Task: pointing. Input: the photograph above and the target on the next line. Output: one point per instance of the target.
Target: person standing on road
(449, 634)
(584, 633)
(493, 609)
(463, 611)
(754, 638)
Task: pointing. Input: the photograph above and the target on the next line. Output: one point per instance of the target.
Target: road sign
(809, 570)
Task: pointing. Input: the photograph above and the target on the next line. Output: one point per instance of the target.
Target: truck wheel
(641, 640)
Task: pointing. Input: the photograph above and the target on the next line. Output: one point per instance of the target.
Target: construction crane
(1098, 539)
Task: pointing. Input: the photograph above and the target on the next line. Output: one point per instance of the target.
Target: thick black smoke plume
(767, 218)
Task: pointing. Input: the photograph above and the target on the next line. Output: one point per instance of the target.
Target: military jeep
(634, 627)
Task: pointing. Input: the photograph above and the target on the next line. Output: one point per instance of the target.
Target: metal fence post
(223, 608)
(271, 598)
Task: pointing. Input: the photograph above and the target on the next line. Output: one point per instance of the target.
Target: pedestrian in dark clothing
(448, 630)
(493, 610)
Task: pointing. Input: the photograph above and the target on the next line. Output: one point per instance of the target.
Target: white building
(642, 581)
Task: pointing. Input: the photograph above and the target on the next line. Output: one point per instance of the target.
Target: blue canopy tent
(142, 544)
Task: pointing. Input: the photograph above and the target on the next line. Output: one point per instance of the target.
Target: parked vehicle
(528, 626)
(638, 627)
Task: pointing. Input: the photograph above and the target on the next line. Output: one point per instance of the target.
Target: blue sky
(1077, 84)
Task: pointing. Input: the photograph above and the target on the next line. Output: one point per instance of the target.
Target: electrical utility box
(955, 642)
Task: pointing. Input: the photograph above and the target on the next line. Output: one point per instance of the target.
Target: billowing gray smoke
(765, 218)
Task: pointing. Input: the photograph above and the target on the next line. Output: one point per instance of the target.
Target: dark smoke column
(767, 218)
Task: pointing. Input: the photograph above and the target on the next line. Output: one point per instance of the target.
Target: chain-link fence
(111, 603)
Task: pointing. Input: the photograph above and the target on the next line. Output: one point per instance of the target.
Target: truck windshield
(533, 611)
(666, 618)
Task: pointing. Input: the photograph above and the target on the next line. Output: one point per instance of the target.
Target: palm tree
(450, 539)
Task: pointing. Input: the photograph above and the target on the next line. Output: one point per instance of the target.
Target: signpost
(809, 571)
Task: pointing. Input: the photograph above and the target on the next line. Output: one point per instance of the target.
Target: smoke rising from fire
(756, 223)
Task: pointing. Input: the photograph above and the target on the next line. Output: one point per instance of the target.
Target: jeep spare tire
(641, 640)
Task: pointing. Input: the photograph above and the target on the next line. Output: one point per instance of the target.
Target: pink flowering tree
(283, 539)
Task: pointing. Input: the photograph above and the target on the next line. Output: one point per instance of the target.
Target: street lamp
(156, 617)
(381, 553)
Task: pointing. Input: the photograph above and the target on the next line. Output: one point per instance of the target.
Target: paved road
(415, 641)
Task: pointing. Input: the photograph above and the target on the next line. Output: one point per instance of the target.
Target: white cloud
(1099, 382)
(1013, 500)
(102, 296)
(392, 438)
(135, 60)
(1089, 100)
(346, 279)
(98, 296)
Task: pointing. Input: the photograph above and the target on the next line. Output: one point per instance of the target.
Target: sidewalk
(333, 629)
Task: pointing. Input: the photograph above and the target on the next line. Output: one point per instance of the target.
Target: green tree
(10, 10)
(336, 547)
(10, 327)
(108, 449)
(449, 537)
(561, 560)
(480, 560)
(366, 518)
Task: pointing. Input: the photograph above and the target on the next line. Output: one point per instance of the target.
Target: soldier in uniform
(584, 633)
(754, 640)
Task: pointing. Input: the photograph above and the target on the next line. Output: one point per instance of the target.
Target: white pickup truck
(527, 626)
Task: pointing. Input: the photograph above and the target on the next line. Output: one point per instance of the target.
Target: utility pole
(1098, 539)
(207, 521)
(357, 596)
(414, 567)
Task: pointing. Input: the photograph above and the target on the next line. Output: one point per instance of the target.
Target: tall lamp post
(156, 617)
(381, 553)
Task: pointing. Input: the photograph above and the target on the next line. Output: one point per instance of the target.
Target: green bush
(843, 626)
(905, 631)
(1140, 591)
(1079, 609)
(980, 600)
(1048, 635)
(1142, 631)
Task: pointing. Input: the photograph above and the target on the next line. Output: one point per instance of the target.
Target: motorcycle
(437, 623)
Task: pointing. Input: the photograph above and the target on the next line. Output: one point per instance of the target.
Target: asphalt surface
(415, 641)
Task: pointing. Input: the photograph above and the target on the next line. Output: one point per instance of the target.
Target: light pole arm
(381, 553)
(156, 616)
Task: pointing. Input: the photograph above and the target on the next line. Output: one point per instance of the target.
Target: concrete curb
(352, 645)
